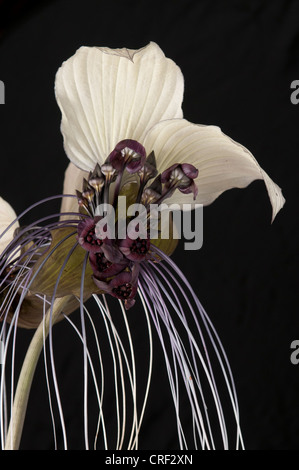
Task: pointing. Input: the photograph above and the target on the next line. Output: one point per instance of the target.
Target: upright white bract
(7, 217)
(108, 95)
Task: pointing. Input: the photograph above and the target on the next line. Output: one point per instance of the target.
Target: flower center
(123, 291)
(92, 239)
(140, 246)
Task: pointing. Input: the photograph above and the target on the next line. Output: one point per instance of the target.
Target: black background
(238, 59)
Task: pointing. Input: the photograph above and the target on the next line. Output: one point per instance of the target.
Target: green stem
(26, 376)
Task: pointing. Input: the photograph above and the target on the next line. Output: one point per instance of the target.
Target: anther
(82, 202)
(108, 171)
(97, 183)
(88, 194)
(129, 154)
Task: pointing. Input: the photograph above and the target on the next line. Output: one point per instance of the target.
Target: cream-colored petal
(73, 179)
(222, 163)
(7, 216)
(107, 95)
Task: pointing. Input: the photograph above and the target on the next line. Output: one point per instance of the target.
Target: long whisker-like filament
(215, 340)
(84, 352)
(195, 361)
(150, 366)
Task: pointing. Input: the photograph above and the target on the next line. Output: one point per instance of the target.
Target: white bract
(7, 216)
(107, 95)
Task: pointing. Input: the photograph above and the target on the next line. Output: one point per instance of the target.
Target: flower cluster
(115, 261)
(105, 96)
(54, 265)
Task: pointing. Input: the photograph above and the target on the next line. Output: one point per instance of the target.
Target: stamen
(129, 154)
(88, 194)
(83, 203)
(97, 183)
(146, 173)
(108, 171)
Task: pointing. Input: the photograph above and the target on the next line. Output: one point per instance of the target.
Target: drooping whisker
(5, 337)
(122, 370)
(196, 354)
(35, 205)
(34, 233)
(16, 294)
(187, 366)
(115, 345)
(82, 318)
(69, 254)
(47, 303)
(27, 256)
(118, 351)
(181, 362)
(182, 315)
(99, 393)
(213, 338)
(173, 381)
(17, 285)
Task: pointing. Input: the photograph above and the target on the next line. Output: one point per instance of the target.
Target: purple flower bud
(180, 176)
(149, 170)
(108, 171)
(129, 154)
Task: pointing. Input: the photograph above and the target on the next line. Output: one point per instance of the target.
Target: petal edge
(106, 97)
(222, 163)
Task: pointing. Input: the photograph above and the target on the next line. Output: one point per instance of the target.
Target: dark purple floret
(135, 250)
(128, 154)
(180, 176)
(123, 286)
(87, 237)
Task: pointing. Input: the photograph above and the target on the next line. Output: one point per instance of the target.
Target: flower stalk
(27, 373)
